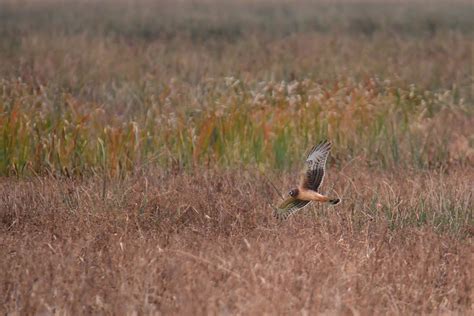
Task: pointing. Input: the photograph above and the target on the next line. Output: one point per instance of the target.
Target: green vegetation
(233, 123)
(102, 86)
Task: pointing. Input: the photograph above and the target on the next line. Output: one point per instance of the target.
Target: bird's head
(293, 193)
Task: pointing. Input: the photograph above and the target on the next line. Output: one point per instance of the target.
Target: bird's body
(310, 195)
(312, 179)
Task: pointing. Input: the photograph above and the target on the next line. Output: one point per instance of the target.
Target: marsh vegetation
(140, 142)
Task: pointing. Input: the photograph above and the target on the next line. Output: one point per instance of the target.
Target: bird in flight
(310, 183)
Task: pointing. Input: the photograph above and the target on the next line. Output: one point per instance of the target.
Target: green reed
(267, 124)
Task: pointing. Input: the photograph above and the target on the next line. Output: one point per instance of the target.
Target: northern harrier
(310, 182)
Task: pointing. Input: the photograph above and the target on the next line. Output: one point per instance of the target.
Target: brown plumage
(310, 183)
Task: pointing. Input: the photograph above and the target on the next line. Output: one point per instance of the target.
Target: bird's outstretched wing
(315, 166)
(288, 207)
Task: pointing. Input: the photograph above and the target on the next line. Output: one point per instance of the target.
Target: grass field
(142, 141)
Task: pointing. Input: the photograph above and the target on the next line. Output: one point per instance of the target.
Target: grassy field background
(140, 142)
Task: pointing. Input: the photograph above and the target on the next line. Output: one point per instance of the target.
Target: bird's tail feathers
(335, 201)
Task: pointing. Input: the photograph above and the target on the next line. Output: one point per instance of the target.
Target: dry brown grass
(206, 243)
(134, 135)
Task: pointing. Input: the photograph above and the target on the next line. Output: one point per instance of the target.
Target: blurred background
(123, 83)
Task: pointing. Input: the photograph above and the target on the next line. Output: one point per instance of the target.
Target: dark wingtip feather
(322, 144)
(326, 143)
(279, 216)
